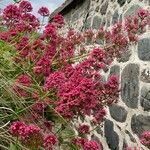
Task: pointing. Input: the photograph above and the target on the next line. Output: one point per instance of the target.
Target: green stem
(16, 143)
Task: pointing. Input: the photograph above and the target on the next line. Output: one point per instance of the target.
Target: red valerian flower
(25, 6)
(99, 116)
(23, 47)
(43, 11)
(132, 148)
(91, 145)
(50, 141)
(17, 128)
(54, 80)
(50, 32)
(87, 144)
(79, 141)
(43, 66)
(58, 20)
(26, 133)
(142, 13)
(22, 80)
(11, 13)
(31, 22)
(145, 138)
(83, 129)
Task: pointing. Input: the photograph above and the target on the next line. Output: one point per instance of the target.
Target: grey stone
(132, 11)
(130, 85)
(147, 1)
(115, 17)
(144, 49)
(128, 1)
(124, 57)
(99, 41)
(88, 23)
(145, 98)
(112, 137)
(121, 2)
(140, 123)
(115, 70)
(75, 16)
(104, 7)
(118, 113)
(67, 17)
(109, 16)
(96, 22)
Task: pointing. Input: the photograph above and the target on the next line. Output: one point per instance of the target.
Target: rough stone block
(104, 7)
(130, 85)
(144, 49)
(145, 98)
(140, 123)
(115, 17)
(112, 137)
(96, 22)
(88, 23)
(132, 11)
(118, 113)
(115, 70)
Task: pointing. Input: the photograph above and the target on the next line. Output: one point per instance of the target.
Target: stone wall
(131, 115)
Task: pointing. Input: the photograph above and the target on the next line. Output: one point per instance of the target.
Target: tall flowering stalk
(57, 79)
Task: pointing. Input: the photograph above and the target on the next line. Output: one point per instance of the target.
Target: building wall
(131, 115)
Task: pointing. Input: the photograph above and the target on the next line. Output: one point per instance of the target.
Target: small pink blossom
(50, 141)
(142, 13)
(17, 128)
(25, 6)
(145, 138)
(43, 11)
(91, 145)
(58, 20)
(83, 129)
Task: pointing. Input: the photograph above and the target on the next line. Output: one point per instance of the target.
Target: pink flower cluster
(23, 81)
(145, 138)
(81, 87)
(91, 145)
(26, 133)
(43, 11)
(11, 13)
(87, 144)
(132, 148)
(25, 6)
(50, 141)
(32, 135)
(19, 17)
(84, 129)
(58, 20)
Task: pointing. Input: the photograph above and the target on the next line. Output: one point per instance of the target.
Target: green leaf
(12, 147)
(16, 1)
(71, 146)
